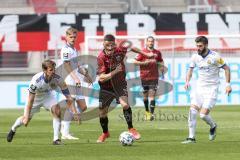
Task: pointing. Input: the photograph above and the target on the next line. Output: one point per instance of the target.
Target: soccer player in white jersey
(204, 97)
(76, 76)
(41, 94)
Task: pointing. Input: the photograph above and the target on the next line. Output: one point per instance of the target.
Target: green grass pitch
(161, 139)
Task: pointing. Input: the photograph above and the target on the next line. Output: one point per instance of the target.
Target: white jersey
(209, 67)
(41, 87)
(70, 54)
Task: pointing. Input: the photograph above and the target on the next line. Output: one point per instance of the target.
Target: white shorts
(205, 97)
(45, 101)
(75, 92)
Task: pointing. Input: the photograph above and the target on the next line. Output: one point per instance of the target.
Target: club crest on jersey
(210, 61)
(119, 58)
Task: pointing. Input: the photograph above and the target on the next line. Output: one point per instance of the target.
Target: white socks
(208, 119)
(65, 127)
(192, 122)
(56, 128)
(17, 124)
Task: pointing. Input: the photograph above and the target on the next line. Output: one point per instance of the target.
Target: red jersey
(107, 63)
(150, 71)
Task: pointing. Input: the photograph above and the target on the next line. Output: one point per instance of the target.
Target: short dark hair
(109, 37)
(202, 39)
(48, 63)
(150, 37)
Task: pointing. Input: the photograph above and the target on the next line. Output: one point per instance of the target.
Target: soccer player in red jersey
(149, 74)
(111, 72)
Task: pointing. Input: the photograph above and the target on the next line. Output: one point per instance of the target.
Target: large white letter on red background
(57, 30)
(8, 30)
(90, 26)
(139, 25)
(190, 20)
(216, 26)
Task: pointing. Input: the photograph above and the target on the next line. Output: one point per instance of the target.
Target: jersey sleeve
(192, 62)
(159, 57)
(101, 67)
(219, 61)
(65, 55)
(33, 86)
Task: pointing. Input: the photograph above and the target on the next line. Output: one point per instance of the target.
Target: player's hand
(161, 69)
(88, 79)
(119, 68)
(187, 86)
(25, 120)
(228, 90)
(76, 117)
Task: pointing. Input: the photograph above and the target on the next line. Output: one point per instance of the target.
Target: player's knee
(56, 111)
(84, 108)
(152, 102)
(145, 98)
(202, 116)
(125, 106)
(102, 112)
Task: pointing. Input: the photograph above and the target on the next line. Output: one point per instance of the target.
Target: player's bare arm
(136, 50)
(103, 77)
(69, 69)
(188, 78)
(228, 79)
(84, 72)
(26, 118)
(141, 63)
(69, 99)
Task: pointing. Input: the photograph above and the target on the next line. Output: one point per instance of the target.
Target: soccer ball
(126, 139)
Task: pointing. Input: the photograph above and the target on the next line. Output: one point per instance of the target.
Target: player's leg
(145, 100)
(50, 103)
(19, 121)
(105, 99)
(68, 116)
(196, 103)
(56, 114)
(205, 116)
(152, 94)
(146, 104)
(127, 112)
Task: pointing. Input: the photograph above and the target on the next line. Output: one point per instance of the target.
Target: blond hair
(71, 30)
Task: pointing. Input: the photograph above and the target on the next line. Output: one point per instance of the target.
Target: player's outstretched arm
(69, 69)
(136, 50)
(103, 77)
(84, 72)
(141, 63)
(228, 79)
(26, 118)
(188, 78)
